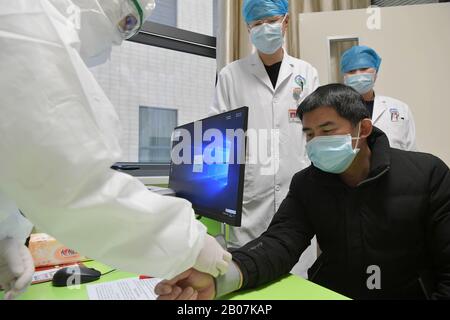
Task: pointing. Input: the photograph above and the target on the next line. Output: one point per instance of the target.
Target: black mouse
(75, 275)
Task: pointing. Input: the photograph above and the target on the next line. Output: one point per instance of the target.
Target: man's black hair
(347, 102)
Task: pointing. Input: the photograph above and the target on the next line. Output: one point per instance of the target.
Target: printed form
(128, 289)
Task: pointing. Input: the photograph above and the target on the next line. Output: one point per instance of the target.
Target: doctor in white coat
(272, 84)
(360, 66)
(60, 136)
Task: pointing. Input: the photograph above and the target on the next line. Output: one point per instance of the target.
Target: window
(166, 72)
(199, 16)
(155, 131)
(165, 13)
(142, 75)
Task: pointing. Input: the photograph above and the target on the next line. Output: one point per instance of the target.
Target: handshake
(17, 269)
(190, 285)
(199, 282)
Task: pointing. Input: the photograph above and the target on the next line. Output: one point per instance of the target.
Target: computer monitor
(208, 164)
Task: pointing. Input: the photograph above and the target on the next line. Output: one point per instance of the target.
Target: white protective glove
(16, 267)
(213, 259)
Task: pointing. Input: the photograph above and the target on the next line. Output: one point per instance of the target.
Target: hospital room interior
(227, 150)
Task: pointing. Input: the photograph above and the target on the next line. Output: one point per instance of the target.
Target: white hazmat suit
(59, 138)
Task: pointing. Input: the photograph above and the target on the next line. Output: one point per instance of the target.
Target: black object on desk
(76, 275)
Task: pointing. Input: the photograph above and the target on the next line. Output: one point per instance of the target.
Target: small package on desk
(47, 252)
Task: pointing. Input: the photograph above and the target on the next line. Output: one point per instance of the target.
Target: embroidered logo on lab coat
(395, 115)
(300, 81)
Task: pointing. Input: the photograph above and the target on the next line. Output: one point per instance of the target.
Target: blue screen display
(208, 163)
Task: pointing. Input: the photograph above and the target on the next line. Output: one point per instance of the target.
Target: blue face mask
(332, 154)
(268, 37)
(363, 82)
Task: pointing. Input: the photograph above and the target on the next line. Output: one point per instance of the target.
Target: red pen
(144, 277)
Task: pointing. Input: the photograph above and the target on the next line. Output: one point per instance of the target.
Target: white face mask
(363, 82)
(96, 46)
(268, 37)
(107, 23)
(333, 154)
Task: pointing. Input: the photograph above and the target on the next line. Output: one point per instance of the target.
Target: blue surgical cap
(253, 10)
(360, 57)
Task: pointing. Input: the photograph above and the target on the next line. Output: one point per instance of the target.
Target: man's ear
(366, 128)
(286, 22)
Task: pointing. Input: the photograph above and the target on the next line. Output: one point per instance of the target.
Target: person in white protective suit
(59, 138)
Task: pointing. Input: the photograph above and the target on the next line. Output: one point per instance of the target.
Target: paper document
(128, 289)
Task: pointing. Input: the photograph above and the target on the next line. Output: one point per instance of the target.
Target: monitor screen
(208, 163)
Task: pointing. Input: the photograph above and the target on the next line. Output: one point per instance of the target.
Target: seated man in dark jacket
(381, 215)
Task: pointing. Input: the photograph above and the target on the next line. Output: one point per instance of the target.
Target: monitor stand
(222, 236)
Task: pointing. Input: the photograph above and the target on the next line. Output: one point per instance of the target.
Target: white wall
(414, 42)
(195, 16)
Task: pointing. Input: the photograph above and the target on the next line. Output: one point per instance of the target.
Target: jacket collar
(259, 71)
(380, 162)
(381, 152)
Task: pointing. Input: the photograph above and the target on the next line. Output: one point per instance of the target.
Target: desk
(288, 288)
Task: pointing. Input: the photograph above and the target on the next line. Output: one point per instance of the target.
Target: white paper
(128, 289)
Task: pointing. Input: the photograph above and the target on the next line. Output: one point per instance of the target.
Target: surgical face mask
(96, 46)
(363, 82)
(333, 154)
(106, 23)
(268, 37)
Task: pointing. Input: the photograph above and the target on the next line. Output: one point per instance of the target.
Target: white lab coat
(246, 83)
(396, 120)
(59, 137)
